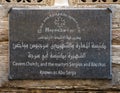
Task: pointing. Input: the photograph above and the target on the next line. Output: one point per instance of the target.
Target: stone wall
(59, 86)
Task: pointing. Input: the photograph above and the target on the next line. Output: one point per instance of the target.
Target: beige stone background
(59, 86)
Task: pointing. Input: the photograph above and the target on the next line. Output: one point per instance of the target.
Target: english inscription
(60, 44)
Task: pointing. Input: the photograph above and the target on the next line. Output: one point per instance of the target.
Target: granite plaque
(60, 43)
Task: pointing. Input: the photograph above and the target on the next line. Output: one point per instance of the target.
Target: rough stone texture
(29, 2)
(59, 86)
(80, 2)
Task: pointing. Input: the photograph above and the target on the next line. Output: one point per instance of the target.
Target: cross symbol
(59, 22)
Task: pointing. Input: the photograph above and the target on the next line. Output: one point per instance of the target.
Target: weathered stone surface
(27, 2)
(5, 90)
(81, 2)
(116, 36)
(3, 35)
(3, 11)
(3, 48)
